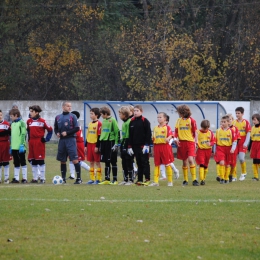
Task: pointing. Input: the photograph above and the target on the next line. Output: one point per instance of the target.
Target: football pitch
(130, 222)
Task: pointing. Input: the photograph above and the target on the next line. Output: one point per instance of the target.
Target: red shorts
(240, 145)
(186, 149)
(203, 156)
(223, 154)
(80, 151)
(91, 155)
(171, 152)
(162, 154)
(4, 151)
(36, 149)
(255, 150)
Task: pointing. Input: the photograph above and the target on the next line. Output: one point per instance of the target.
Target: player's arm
(212, 138)
(76, 127)
(234, 141)
(193, 127)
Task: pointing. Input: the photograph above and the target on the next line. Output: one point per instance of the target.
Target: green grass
(103, 222)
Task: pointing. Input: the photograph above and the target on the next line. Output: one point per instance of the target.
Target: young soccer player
(92, 146)
(244, 128)
(65, 127)
(36, 127)
(127, 160)
(205, 140)
(185, 130)
(80, 150)
(5, 131)
(162, 154)
(139, 144)
(254, 145)
(108, 145)
(18, 145)
(226, 142)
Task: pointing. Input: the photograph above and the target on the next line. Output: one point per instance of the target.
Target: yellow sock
(233, 171)
(243, 167)
(255, 170)
(221, 171)
(99, 174)
(202, 174)
(92, 174)
(217, 166)
(227, 172)
(193, 172)
(156, 174)
(169, 172)
(185, 173)
(205, 173)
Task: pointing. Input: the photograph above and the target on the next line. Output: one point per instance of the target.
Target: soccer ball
(57, 180)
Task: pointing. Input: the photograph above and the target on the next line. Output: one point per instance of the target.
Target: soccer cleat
(176, 174)
(42, 181)
(234, 179)
(71, 178)
(105, 182)
(255, 179)
(163, 179)
(146, 182)
(202, 183)
(242, 177)
(34, 181)
(78, 181)
(222, 181)
(96, 182)
(129, 183)
(226, 181)
(15, 181)
(184, 183)
(24, 181)
(218, 178)
(169, 184)
(64, 181)
(139, 183)
(90, 182)
(154, 184)
(114, 182)
(195, 183)
(122, 183)
(230, 178)
(6, 181)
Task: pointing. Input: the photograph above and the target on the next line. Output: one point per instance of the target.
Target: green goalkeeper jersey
(18, 133)
(109, 130)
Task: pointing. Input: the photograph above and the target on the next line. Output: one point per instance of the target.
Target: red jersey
(4, 127)
(37, 127)
(79, 136)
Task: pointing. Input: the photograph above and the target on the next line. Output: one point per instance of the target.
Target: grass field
(130, 222)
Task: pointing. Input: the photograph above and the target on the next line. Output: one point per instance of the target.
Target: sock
(6, 172)
(72, 169)
(63, 170)
(24, 172)
(173, 167)
(202, 174)
(185, 173)
(162, 170)
(221, 171)
(39, 171)
(114, 171)
(156, 174)
(42, 170)
(206, 170)
(233, 171)
(35, 172)
(16, 173)
(107, 173)
(135, 169)
(243, 167)
(99, 174)
(227, 172)
(218, 171)
(0, 172)
(169, 173)
(78, 170)
(193, 172)
(255, 170)
(130, 176)
(84, 166)
(92, 174)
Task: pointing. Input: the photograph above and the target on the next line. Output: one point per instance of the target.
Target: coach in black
(65, 127)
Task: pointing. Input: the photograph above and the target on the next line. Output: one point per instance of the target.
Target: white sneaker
(170, 184)
(128, 183)
(6, 181)
(176, 174)
(162, 178)
(242, 177)
(122, 183)
(154, 184)
(234, 179)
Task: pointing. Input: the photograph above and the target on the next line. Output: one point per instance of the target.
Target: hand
(114, 148)
(171, 141)
(146, 149)
(43, 140)
(21, 149)
(130, 151)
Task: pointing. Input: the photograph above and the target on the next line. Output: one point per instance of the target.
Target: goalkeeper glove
(146, 149)
(21, 149)
(130, 151)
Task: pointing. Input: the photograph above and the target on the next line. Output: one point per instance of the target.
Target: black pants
(19, 158)
(127, 165)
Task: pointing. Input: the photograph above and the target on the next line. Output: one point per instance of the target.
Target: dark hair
(35, 108)
(96, 111)
(164, 114)
(167, 118)
(139, 107)
(256, 116)
(14, 112)
(205, 123)
(184, 111)
(0, 110)
(76, 113)
(240, 109)
(225, 118)
(105, 111)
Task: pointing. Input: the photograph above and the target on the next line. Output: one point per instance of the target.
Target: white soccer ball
(57, 180)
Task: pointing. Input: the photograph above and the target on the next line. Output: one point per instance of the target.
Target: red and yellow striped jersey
(185, 129)
(243, 126)
(205, 137)
(94, 130)
(255, 134)
(160, 133)
(225, 137)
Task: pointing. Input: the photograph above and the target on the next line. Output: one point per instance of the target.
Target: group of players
(134, 140)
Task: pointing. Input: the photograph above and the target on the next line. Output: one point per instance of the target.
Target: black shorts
(67, 147)
(107, 155)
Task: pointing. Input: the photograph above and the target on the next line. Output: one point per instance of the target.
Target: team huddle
(134, 141)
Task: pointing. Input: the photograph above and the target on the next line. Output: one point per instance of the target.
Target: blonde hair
(124, 110)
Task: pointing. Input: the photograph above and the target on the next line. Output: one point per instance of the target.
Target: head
(14, 114)
(184, 111)
(131, 108)
(224, 121)
(161, 118)
(94, 113)
(66, 106)
(231, 119)
(205, 124)
(167, 119)
(138, 110)
(35, 111)
(256, 119)
(76, 113)
(1, 115)
(124, 112)
(105, 112)
(14, 106)
(239, 112)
